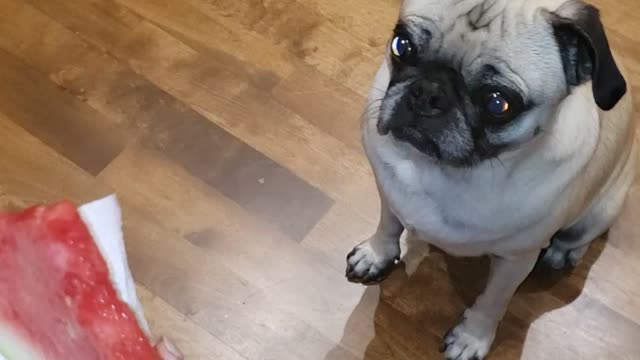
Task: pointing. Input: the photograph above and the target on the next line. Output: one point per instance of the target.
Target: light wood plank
(194, 342)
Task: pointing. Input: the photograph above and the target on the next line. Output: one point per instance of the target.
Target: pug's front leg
(372, 260)
(471, 339)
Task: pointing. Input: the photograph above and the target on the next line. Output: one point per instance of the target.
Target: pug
(499, 128)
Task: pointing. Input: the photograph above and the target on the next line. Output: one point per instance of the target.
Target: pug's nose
(428, 98)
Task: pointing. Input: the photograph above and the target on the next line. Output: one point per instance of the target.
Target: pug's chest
(452, 213)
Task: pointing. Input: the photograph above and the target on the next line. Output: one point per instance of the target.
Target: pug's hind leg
(569, 245)
(372, 260)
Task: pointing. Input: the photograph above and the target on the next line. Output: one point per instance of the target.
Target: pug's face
(471, 79)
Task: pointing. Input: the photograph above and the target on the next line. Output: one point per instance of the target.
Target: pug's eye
(401, 47)
(497, 104)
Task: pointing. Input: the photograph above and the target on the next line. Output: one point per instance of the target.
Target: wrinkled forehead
(511, 36)
(449, 9)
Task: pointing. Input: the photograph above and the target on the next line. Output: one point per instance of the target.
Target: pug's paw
(560, 258)
(372, 261)
(471, 339)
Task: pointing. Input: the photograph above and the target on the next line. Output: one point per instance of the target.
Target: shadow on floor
(415, 309)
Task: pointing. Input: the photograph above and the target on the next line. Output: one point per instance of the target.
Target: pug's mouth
(418, 140)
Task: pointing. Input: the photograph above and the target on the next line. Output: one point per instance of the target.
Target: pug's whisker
(372, 108)
(379, 89)
(497, 158)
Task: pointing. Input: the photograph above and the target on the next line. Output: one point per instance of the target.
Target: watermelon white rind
(103, 218)
(14, 347)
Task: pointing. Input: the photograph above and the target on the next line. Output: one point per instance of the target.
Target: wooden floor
(229, 131)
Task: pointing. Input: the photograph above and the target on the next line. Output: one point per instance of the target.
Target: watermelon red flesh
(56, 295)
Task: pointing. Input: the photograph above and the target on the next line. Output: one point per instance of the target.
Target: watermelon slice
(57, 300)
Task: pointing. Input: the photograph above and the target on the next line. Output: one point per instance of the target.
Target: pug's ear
(585, 52)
